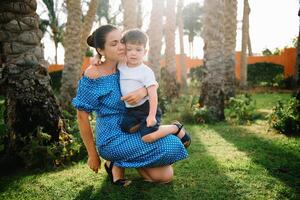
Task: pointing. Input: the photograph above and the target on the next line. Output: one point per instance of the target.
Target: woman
(98, 90)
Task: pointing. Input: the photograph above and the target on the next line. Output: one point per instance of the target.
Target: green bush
(180, 109)
(38, 151)
(89, 52)
(241, 109)
(264, 74)
(202, 114)
(194, 81)
(286, 117)
(55, 80)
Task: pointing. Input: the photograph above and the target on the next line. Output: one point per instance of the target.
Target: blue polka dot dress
(103, 96)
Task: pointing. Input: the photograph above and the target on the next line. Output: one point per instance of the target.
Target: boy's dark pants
(138, 115)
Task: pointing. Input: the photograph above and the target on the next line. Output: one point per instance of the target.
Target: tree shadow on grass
(14, 178)
(281, 161)
(198, 177)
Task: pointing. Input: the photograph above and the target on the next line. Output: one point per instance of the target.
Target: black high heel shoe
(119, 182)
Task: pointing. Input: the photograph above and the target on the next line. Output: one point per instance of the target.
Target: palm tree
(139, 16)
(169, 79)
(72, 49)
(87, 25)
(182, 78)
(229, 46)
(77, 30)
(130, 14)
(57, 29)
(103, 9)
(245, 38)
(30, 102)
(192, 22)
(212, 91)
(155, 34)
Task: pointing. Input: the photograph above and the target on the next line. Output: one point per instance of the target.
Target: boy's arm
(152, 93)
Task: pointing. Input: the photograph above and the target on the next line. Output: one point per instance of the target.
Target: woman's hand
(135, 96)
(94, 163)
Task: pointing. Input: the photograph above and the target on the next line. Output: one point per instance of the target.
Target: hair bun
(90, 41)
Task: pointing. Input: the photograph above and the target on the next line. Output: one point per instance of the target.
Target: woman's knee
(167, 177)
(161, 175)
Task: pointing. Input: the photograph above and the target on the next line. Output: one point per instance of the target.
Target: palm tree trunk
(212, 91)
(87, 25)
(139, 14)
(245, 35)
(55, 44)
(155, 34)
(77, 30)
(182, 78)
(73, 57)
(250, 53)
(30, 102)
(229, 45)
(171, 89)
(130, 14)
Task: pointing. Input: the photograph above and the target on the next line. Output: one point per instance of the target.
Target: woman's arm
(135, 96)
(88, 139)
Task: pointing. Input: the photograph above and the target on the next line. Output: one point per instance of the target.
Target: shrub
(180, 109)
(264, 74)
(202, 114)
(38, 151)
(55, 81)
(89, 52)
(241, 109)
(286, 117)
(195, 77)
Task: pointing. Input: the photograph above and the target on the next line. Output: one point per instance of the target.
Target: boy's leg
(161, 132)
(150, 134)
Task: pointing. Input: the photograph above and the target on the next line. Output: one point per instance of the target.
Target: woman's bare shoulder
(92, 72)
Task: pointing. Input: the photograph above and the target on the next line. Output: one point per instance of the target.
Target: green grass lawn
(226, 162)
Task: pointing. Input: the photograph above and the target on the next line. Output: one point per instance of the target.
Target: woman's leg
(118, 172)
(163, 174)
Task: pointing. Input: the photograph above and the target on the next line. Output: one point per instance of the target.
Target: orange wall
(287, 58)
(189, 63)
(54, 67)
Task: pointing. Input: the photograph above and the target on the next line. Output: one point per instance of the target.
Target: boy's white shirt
(133, 78)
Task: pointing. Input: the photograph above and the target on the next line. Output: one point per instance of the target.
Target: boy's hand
(151, 121)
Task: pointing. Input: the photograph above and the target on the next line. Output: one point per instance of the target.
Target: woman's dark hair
(98, 37)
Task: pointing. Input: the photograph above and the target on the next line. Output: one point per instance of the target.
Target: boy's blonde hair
(135, 36)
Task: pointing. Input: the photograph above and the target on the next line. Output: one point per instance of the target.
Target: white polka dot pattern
(102, 95)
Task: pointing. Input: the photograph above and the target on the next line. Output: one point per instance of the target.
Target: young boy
(134, 74)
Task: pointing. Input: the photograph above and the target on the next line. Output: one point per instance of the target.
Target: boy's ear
(146, 51)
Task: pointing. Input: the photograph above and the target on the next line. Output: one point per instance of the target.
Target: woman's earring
(102, 59)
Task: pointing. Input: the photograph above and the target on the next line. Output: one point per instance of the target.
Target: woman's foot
(182, 134)
(109, 166)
